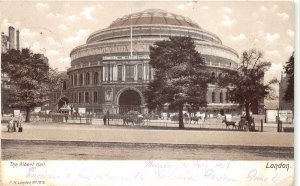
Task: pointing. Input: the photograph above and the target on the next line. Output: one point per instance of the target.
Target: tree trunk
(247, 106)
(27, 115)
(181, 124)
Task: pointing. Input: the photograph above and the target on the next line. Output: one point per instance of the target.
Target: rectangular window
(95, 97)
(80, 97)
(120, 74)
(129, 72)
(75, 97)
(87, 97)
(140, 72)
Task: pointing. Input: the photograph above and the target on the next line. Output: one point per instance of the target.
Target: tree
(180, 77)
(289, 71)
(29, 79)
(248, 81)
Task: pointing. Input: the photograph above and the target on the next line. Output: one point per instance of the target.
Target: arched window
(213, 97)
(80, 79)
(87, 78)
(213, 77)
(220, 76)
(221, 97)
(96, 78)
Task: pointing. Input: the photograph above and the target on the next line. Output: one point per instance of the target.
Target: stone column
(115, 72)
(104, 73)
(144, 69)
(135, 73)
(123, 73)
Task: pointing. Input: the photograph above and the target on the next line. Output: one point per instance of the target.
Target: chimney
(11, 36)
(18, 39)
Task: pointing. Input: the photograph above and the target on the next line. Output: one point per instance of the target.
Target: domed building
(111, 71)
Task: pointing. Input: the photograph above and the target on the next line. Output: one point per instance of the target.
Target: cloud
(263, 8)
(272, 37)
(42, 6)
(79, 36)
(72, 17)
(290, 33)
(275, 6)
(87, 11)
(36, 47)
(272, 54)
(227, 21)
(289, 49)
(283, 15)
(51, 15)
(261, 33)
(228, 10)
(52, 53)
(51, 41)
(64, 60)
(100, 6)
(274, 72)
(204, 7)
(28, 34)
(239, 38)
(181, 7)
(63, 27)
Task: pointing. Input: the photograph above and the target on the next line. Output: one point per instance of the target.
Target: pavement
(137, 134)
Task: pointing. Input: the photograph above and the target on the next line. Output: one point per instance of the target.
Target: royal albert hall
(111, 71)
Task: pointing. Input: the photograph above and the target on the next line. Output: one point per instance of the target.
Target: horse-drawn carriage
(243, 124)
(133, 117)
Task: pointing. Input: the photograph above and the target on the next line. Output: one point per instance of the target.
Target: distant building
(283, 104)
(7, 42)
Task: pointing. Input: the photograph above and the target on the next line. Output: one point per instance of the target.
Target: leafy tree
(30, 79)
(180, 76)
(248, 81)
(289, 71)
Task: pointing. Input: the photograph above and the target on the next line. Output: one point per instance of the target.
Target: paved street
(65, 141)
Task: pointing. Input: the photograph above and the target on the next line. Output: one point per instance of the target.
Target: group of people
(15, 124)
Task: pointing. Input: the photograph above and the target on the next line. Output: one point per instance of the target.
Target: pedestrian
(66, 117)
(104, 119)
(20, 122)
(10, 126)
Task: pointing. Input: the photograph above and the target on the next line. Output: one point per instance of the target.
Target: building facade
(111, 71)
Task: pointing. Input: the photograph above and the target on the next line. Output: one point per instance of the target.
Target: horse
(228, 123)
(195, 119)
(127, 120)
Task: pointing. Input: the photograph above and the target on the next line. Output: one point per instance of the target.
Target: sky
(56, 27)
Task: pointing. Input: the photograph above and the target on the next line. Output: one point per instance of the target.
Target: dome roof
(153, 16)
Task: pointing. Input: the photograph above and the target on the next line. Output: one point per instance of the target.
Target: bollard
(262, 125)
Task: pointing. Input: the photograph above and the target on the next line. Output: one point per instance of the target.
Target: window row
(223, 97)
(84, 97)
(86, 78)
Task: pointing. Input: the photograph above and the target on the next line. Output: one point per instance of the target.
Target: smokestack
(11, 36)
(18, 39)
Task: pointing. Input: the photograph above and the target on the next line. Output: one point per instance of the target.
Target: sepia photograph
(178, 88)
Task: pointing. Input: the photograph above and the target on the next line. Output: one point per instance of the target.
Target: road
(63, 141)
